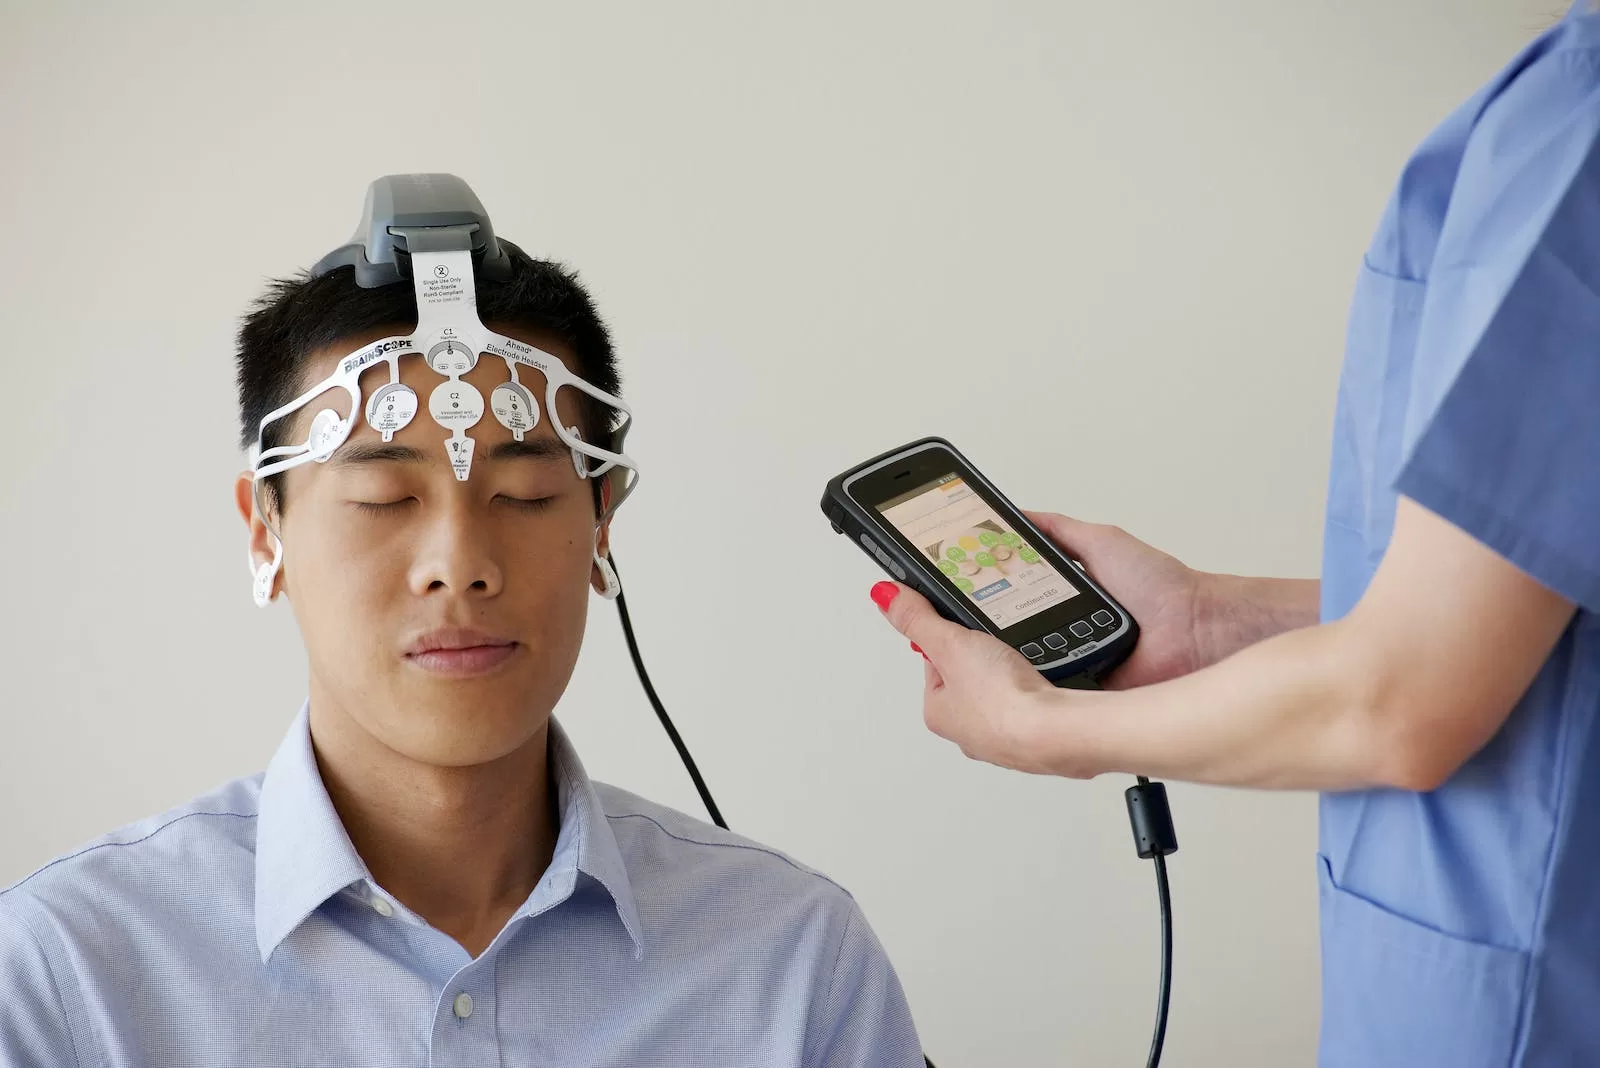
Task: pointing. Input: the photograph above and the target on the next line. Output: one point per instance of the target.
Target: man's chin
(460, 725)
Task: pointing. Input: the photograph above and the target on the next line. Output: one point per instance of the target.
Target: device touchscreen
(977, 550)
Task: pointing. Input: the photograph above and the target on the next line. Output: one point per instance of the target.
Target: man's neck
(461, 847)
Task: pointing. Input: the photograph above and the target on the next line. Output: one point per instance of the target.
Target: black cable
(1155, 839)
(661, 712)
(1164, 997)
(666, 720)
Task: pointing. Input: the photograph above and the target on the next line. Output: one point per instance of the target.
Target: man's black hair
(296, 317)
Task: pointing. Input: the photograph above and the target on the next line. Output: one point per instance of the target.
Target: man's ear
(602, 541)
(261, 538)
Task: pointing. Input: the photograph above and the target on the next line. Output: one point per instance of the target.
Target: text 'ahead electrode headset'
(432, 230)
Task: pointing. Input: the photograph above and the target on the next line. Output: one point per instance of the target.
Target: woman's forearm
(1234, 611)
(1401, 691)
(1291, 712)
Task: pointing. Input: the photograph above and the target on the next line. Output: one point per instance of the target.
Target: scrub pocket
(1399, 994)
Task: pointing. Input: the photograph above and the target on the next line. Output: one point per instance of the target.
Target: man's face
(443, 617)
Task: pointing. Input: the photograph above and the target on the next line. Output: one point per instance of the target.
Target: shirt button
(382, 907)
(463, 1005)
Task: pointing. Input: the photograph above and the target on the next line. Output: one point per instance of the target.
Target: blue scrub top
(1461, 927)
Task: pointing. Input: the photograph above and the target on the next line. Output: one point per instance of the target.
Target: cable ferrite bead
(1151, 818)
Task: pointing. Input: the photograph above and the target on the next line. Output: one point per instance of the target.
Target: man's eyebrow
(364, 453)
(360, 453)
(529, 449)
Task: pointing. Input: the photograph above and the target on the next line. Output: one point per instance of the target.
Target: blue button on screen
(992, 589)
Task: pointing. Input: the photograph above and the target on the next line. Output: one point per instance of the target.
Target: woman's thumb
(913, 616)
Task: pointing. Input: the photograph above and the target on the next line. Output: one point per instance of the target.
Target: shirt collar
(585, 845)
(304, 856)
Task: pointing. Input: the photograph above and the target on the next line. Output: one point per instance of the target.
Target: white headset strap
(556, 375)
(346, 376)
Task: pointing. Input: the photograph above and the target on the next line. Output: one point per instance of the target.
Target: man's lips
(458, 652)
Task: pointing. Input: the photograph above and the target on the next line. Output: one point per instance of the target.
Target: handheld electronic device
(933, 521)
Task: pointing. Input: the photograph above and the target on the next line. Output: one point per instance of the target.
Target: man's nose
(456, 555)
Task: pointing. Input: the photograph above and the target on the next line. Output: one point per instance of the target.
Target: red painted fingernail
(917, 648)
(884, 593)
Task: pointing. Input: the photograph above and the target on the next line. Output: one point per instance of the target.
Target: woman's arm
(1401, 692)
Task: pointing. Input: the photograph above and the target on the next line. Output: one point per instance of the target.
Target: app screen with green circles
(986, 560)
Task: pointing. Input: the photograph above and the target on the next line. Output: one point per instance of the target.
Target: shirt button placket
(464, 1031)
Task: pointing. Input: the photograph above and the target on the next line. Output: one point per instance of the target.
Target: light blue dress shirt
(243, 930)
(1461, 927)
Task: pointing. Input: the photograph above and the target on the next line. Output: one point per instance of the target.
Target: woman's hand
(982, 694)
(1162, 594)
(988, 699)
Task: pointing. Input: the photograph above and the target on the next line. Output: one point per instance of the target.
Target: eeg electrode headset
(432, 229)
